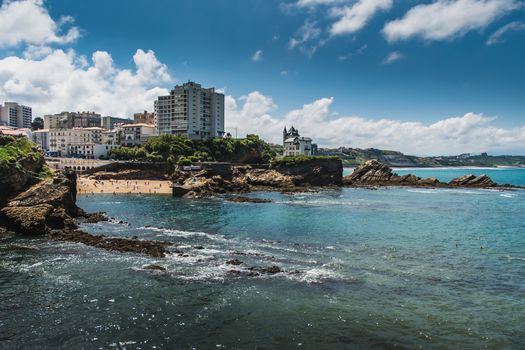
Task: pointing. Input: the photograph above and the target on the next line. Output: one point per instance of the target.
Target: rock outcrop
(374, 173)
(48, 205)
(224, 178)
(473, 181)
(48, 209)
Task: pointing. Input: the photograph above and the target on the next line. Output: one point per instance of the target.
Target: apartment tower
(191, 111)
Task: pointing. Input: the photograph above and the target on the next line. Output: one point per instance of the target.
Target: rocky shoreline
(375, 174)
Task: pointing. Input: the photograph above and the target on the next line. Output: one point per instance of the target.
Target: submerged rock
(155, 249)
(234, 262)
(248, 200)
(154, 267)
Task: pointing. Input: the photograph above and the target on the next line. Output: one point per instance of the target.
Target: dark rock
(96, 217)
(154, 267)
(473, 181)
(269, 270)
(374, 173)
(155, 249)
(248, 200)
(234, 262)
(199, 247)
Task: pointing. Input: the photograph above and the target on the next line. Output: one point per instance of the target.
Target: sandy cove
(91, 186)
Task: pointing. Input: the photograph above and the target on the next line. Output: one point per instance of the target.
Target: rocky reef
(225, 178)
(373, 173)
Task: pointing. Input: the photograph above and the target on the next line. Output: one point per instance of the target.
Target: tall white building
(191, 111)
(15, 115)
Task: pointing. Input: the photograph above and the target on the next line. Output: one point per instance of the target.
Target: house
(296, 145)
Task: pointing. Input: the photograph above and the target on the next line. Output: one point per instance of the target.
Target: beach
(90, 186)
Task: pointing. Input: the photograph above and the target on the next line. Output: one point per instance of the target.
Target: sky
(434, 77)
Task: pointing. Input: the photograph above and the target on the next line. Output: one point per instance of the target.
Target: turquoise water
(513, 176)
(394, 267)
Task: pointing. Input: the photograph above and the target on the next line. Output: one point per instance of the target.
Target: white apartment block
(15, 115)
(136, 134)
(192, 111)
(78, 142)
(295, 145)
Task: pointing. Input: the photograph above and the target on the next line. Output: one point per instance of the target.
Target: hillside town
(189, 110)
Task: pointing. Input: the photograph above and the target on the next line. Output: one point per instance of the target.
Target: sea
(393, 268)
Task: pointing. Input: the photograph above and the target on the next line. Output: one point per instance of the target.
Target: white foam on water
(318, 275)
(185, 234)
(421, 190)
(507, 195)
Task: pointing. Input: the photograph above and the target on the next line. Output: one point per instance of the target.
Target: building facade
(41, 138)
(136, 134)
(69, 120)
(110, 123)
(77, 142)
(144, 118)
(296, 145)
(16, 115)
(192, 111)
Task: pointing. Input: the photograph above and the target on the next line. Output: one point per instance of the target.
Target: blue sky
(309, 51)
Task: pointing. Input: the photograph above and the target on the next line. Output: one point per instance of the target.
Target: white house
(296, 145)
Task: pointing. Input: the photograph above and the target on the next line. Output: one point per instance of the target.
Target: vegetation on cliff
(181, 150)
(21, 164)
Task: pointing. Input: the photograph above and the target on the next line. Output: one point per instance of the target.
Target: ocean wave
(184, 234)
(318, 275)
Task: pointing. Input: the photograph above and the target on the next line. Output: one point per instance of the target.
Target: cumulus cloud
(392, 57)
(257, 56)
(353, 18)
(468, 133)
(63, 80)
(447, 19)
(495, 38)
(29, 22)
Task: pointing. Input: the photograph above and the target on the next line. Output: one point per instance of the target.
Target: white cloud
(468, 133)
(307, 38)
(392, 57)
(309, 3)
(257, 56)
(28, 21)
(308, 31)
(63, 80)
(495, 38)
(447, 19)
(353, 18)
